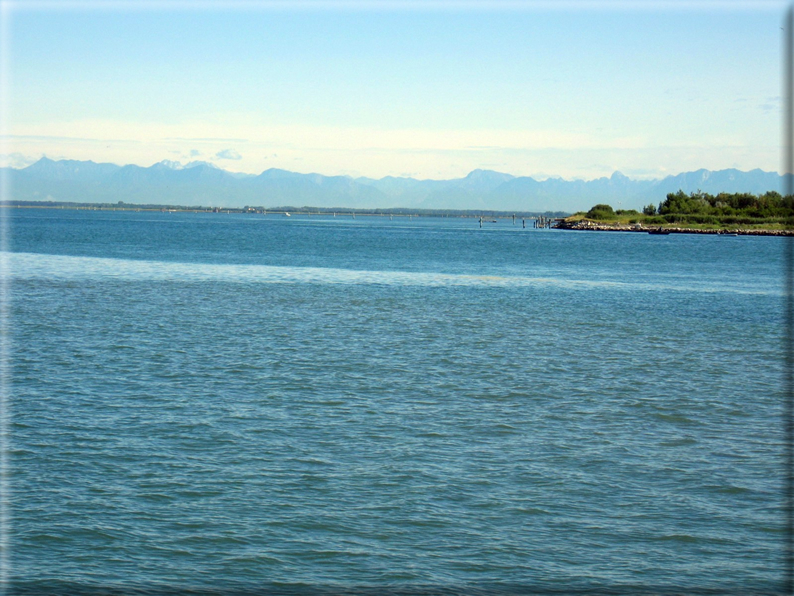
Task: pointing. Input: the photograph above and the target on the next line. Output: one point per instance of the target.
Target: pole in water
(523, 223)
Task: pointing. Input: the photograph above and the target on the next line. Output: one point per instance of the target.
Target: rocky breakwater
(586, 224)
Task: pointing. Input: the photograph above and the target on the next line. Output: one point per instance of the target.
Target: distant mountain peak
(197, 164)
(480, 174)
(174, 165)
(178, 165)
(46, 162)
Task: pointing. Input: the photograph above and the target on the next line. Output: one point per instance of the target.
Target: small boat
(287, 214)
(659, 231)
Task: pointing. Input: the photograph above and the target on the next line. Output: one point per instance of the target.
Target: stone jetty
(586, 224)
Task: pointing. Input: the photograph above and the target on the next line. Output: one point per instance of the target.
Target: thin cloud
(228, 154)
(207, 139)
(771, 104)
(16, 160)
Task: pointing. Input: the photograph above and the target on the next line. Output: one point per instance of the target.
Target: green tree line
(703, 208)
(770, 205)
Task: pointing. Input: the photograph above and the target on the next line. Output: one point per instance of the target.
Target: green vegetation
(602, 212)
(703, 211)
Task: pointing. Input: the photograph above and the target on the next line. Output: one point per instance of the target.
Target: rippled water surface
(252, 403)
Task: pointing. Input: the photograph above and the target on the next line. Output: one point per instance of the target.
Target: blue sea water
(256, 404)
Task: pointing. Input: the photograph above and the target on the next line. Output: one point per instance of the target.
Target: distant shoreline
(561, 223)
(282, 210)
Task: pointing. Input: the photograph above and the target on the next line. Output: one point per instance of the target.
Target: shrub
(601, 211)
(657, 219)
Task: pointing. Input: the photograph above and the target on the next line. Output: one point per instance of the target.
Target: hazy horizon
(395, 89)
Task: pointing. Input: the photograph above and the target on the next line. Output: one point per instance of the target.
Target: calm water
(260, 404)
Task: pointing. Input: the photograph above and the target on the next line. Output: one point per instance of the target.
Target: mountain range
(202, 183)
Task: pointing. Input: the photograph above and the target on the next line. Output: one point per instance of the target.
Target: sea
(228, 403)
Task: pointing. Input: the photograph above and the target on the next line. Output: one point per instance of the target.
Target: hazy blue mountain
(68, 169)
(470, 191)
(276, 187)
(730, 180)
(202, 183)
(482, 180)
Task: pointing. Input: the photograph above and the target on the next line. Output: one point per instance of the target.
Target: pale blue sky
(387, 89)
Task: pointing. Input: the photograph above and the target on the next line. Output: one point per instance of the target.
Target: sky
(432, 90)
